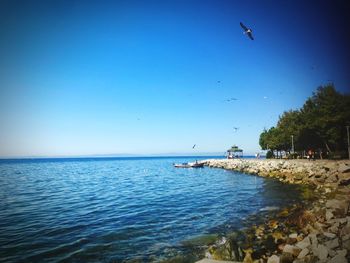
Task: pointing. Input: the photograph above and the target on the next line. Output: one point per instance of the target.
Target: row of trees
(320, 125)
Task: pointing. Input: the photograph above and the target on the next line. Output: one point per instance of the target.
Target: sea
(131, 209)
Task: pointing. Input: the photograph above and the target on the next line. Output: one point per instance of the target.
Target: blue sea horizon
(117, 157)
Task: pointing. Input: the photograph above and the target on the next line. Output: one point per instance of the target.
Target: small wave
(269, 208)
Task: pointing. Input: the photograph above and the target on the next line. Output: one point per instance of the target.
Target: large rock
(273, 259)
(303, 253)
(340, 207)
(331, 244)
(286, 258)
(342, 252)
(329, 235)
(338, 259)
(294, 250)
(304, 243)
(329, 214)
(345, 230)
(314, 241)
(321, 252)
(344, 168)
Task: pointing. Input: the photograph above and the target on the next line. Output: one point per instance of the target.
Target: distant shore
(316, 232)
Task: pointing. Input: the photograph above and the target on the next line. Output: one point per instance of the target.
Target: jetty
(316, 232)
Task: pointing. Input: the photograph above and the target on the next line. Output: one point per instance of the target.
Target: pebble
(294, 235)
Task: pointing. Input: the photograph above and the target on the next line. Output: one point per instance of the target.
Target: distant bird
(193, 146)
(247, 31)
(265, 97)
(230, 99)
(235, 128)
(219, 81)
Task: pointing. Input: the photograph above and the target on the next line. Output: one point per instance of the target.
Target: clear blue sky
(152, 77)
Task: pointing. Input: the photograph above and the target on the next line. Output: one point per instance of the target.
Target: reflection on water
(116, 209)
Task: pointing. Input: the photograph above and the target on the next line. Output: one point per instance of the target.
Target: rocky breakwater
(317, 231)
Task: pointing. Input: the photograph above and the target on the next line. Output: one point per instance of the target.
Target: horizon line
(204, 154)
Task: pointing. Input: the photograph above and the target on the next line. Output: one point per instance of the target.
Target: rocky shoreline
(317, 231)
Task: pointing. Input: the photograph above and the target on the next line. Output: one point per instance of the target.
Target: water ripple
(85, 210)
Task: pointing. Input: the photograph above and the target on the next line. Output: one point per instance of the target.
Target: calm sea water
(116, 209)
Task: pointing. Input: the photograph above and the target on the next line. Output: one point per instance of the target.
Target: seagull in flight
(193, 146)
(235, 128)
(247, 31)
(230, 99)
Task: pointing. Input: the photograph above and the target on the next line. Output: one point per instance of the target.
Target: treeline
(319, 126)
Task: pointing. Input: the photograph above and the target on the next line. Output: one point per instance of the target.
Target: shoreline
(318, 231)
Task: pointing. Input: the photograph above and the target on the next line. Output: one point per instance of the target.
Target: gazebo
(234, 152)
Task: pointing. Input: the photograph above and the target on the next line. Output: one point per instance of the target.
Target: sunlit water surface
(93, 210)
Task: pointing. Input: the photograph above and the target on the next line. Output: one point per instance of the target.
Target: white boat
(189, 165)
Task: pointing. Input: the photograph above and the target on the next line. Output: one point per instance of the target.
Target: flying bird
(193, 146)
(247, 31)
(235, 128)
(230, 99)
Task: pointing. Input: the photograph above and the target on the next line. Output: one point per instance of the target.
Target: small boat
(188, 165)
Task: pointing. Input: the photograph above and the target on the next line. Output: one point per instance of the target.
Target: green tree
(289, 124)
(319, 124)
(325, 116)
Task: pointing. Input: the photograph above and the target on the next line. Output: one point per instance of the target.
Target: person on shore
(310, 155)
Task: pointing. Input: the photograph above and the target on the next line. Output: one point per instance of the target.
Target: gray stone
(304, 243)
(332, 243)
(345, 230)
(346, 245)
(334, 228)
(329, 235)
(334, 203)
(319, 226)
(345, 238)
(314, 241)
(286, 258)
(331, 253)
(303, 253)
(273, 259)
(321, 252)
(340, 221)
(294, 235)
(342, 252)
(329, 215)
(292, 250)
(300, 170)
(343, 168)
(338, 259)
(332, 178)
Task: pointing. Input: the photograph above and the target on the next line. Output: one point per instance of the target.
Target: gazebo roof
(235, 148)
